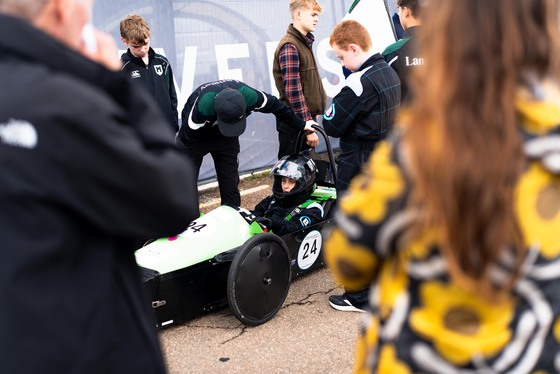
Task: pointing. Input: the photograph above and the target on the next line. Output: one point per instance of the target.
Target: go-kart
(225, 257)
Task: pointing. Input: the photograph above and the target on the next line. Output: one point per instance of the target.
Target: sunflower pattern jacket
(420, 320)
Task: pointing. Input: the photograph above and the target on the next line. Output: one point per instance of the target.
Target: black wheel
(259, 279)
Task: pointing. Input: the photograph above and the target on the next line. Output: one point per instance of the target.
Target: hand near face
(101, 48)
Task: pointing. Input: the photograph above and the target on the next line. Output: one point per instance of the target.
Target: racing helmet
(300, 168)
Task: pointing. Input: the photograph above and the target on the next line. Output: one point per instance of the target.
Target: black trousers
(352, 157)
(225, 153)
(287, 139)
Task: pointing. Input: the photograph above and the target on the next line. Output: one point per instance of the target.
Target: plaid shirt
(289, 65)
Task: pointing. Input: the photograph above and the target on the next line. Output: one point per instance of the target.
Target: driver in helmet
(290, 208)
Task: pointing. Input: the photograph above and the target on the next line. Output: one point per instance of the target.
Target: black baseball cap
(230, 108)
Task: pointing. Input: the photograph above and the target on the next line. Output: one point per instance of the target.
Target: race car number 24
(309, 249)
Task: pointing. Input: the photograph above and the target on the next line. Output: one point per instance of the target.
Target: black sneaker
(340, 302)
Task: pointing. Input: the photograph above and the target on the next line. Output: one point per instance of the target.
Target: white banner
(212, 40)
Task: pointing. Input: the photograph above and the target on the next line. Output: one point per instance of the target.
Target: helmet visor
(288, 169)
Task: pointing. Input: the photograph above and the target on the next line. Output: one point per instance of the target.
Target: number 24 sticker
(194, 227)
(197, 229)
(309, 250)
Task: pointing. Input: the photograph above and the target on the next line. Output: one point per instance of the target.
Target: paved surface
(306, 336)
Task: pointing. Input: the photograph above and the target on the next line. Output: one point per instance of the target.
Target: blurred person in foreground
(455, 221)
(89, 173)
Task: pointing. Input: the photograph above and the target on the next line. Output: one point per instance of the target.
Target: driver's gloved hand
(263, 221)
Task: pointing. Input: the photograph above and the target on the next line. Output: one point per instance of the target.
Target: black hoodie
(157, 76)
(89, 172)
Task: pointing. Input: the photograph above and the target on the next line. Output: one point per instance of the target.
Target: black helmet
(298, 167)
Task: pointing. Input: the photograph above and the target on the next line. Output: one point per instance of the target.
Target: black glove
(263, 221)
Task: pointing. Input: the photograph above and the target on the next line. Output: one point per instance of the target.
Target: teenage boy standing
(143, 64)
(403, 56)
(296, 75)
(361, 115)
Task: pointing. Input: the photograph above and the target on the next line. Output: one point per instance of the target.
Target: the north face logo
(158, 69)
(18, 133)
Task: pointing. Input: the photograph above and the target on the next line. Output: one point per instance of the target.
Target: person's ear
(298, 15)
(124, 41)
(56, 18)
(63, 10)
(52, 15)
(405, 11)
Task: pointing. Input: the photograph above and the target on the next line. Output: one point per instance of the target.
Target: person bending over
(214, 117)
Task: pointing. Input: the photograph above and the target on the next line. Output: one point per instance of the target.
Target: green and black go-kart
(224, 257)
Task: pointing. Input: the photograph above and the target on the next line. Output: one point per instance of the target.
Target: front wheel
(259, 279)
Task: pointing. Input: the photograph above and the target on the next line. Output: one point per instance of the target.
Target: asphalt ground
(306, 335)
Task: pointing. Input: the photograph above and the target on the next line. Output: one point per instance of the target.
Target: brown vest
(315, 96)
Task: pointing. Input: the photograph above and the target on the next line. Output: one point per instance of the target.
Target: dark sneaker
(340, 302)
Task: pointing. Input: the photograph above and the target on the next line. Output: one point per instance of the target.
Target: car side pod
(259, 279)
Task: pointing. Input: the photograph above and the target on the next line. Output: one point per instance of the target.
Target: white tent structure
(218, 39)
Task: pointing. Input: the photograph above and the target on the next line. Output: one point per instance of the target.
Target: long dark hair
(462, 137)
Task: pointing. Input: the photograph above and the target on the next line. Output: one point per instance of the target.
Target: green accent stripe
(206, 104)
(395, 46)
(324, 193)
(353, 6)
(249, 94)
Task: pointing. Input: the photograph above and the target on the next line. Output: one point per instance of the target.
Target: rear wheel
(259, 279)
